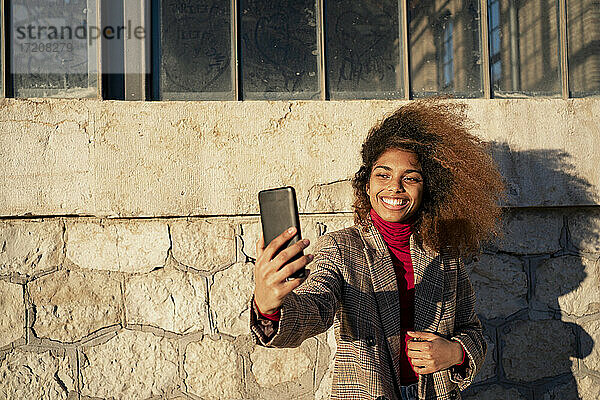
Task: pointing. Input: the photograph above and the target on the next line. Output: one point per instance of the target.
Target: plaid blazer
(352, 285)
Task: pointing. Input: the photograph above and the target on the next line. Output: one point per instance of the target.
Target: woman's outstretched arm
(310, 308)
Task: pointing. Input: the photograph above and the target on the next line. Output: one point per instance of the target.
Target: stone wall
(127, 291)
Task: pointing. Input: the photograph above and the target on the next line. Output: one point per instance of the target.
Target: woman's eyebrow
(382, 166)
(408, 171)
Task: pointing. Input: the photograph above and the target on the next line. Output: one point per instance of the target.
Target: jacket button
(371, 342)
(453, 395)
(382, 398)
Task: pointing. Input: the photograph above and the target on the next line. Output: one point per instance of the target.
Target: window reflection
(494, 39)
(444, 39)
(447, 55)
(583, 25)
(524, 53)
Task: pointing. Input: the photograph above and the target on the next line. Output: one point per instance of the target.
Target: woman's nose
(396, 187)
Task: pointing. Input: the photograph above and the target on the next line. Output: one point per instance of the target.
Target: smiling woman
(461, 184)
(394, 285)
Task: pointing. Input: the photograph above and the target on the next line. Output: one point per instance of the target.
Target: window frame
(143, 86)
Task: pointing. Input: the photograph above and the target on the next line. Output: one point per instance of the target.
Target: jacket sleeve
(310, 308)
(467, 331)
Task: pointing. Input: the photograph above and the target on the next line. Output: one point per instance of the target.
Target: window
(53, 49)
(447, 56)
(363, 49)
(193, 54)
(279, 53)
(530, 52)
(495, 44)
(444, 40)
(583, 24)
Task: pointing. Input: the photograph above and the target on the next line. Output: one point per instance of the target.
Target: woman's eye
(412, 179)
(382, 175)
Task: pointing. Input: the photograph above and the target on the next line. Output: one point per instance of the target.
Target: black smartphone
(279, 211)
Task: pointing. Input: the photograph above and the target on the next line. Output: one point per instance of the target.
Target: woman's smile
(394, 203)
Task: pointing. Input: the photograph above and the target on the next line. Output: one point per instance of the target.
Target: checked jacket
(352, 286)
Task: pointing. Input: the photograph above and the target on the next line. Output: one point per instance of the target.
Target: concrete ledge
(114, 158)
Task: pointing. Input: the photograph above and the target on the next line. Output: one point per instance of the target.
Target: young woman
(394, 285)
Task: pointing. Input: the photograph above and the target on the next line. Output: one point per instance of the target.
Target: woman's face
(395, 186)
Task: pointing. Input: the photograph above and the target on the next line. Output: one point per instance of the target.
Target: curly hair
(459, 210)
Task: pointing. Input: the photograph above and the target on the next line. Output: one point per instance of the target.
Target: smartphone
(279, 211)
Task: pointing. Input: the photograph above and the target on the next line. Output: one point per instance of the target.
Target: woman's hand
(429, 352)
(270, 272)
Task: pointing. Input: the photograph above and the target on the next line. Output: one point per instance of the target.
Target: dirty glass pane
(583, 27)
(195, 50)
(53, 49)
(444, 40)
(279, 55)
(524, 48)
(363, 49)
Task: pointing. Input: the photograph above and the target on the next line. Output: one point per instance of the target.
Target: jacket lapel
(429, 287)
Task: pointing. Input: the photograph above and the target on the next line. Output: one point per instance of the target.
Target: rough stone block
(12, 312)
(129, 246)
(272, 366)
(229, 298)
(331, 197)
(494, 392)
(584, 226)
(45, 153)
(547, 162)
(564, 391)
(537, 349)
(569, 284)
(72, 304)
(489, 366)
(30, 247)
(531, 232)
(588, 388)
(131, 365)
(500, 284)
(591, 344)
(212, 369)
(42, 376)
(168, 299)
(204, 244)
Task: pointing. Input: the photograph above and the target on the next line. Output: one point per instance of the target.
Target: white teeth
(393, 202)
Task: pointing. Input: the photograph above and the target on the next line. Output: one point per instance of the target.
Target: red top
(397, 237)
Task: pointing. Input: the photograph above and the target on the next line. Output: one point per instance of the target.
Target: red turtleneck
(397, 237)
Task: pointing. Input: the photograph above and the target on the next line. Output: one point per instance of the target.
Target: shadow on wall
(536, 286)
